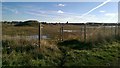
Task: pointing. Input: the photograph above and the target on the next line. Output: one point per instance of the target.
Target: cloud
(74, 18)
(35, 14)
(110, 14)
(61, 5)
(111, 17)
(12, 10)
(60, 11)
(102, 11)
(60, 16)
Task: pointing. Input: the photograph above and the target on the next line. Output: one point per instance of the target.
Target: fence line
(85, 31)
(107, 30)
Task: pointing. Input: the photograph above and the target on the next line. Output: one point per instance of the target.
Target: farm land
(81, 44)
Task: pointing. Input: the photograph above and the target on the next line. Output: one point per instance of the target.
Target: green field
(67, 53)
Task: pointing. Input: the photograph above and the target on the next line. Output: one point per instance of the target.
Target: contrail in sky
(96, 7)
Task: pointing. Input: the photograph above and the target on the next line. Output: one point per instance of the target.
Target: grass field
(101, 49)
(67, 53)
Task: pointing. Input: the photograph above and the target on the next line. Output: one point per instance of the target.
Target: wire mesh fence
(86, 32)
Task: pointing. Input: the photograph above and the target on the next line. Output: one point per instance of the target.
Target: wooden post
(115, 29)
(104, 30)
(61, 32)
(39, 35)
(81, 33)
(111, 30)
(84, 32)
(118, 30)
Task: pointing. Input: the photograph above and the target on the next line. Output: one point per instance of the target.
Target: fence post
(111, 30)
(81, 32)
(61, 32)
(115, 29)
(118, 29)
(104, 29)
(84, 32)
(39, 35)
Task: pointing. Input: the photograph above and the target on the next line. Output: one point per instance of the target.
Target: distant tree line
(34, 22)
(12, 22)
(24, 23)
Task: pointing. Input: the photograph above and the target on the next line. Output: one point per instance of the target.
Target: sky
(73, 12)
(57, 0)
